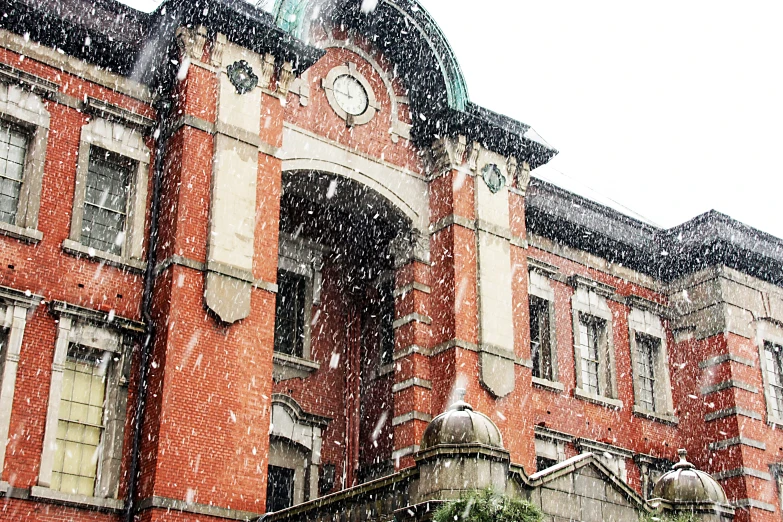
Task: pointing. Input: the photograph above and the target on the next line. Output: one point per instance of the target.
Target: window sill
(29, 235)
(655, 416)
(598, 399)
(79, 250)
(546, 384)
(775, 421)
(287, 367)
(50, 495)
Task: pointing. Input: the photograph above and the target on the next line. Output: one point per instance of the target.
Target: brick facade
(417, 220)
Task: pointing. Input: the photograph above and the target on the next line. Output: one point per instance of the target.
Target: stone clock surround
(372, 103)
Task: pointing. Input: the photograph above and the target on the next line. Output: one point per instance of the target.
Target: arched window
(295, 441)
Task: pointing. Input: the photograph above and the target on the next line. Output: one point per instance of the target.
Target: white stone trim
(350, 70)
(127, 142)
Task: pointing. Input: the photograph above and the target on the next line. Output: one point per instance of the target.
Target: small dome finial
(683, 464)
(460, 404)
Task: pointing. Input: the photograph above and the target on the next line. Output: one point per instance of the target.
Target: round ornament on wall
(350, 94)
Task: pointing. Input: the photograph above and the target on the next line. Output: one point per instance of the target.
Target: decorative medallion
(494, 179)
(242, 76)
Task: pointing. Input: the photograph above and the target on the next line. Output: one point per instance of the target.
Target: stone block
(591, 510)
(560, 503)
(590, 487)
(229, 298)
(617, 513)
(497, 374)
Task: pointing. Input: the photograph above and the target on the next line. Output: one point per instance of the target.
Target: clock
(350, 94)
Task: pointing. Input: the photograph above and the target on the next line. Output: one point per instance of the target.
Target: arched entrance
(340, 245)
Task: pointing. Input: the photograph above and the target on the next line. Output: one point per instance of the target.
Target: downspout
(163, 107)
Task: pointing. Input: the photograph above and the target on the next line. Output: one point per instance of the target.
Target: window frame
(24, 109)
(14, 309)
(296, 437)
(303, 258)
(91, 329)
(540, 287)
(128, 142)
(589, 303)
(648, 322)
(769, 333)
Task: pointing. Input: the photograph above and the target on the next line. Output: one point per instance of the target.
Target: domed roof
(685, 483)
(461, 425)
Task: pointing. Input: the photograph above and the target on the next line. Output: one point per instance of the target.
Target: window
(540, 339)
(544, 463)
(290, 314)
(295, 442)
(651, 469)
(550, 447)
(279, 489)
(106, 201)
(85, 419)
(110, 196)
(647, 352)
(80, 426)
(592, 346)
(13, 148)
(24, 129)
(298, 293)
(650, 363)
(773, 355)
(543, 341)
(593, 343)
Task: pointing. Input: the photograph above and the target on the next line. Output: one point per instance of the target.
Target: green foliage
(487, 506)
(681, 517)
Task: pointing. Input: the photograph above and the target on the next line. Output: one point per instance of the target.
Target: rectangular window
(279, 489)
(106, 201)
(290, 313)
(647, 352)
(80, 426)
(540, 339)
(13, 149)
(774, 355)
(592, 335)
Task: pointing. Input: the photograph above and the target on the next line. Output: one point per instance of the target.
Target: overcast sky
(668, 109)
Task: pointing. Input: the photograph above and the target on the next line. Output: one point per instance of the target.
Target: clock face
(350, 95)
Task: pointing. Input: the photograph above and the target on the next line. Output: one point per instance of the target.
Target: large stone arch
(405, 190)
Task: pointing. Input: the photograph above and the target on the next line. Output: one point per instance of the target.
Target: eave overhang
(710, 239)
(132, 43)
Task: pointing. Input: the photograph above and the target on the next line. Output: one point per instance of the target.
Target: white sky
(669, 108)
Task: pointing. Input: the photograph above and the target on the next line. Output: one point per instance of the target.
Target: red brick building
(241, 244)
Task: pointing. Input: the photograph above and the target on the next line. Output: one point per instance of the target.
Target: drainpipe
(163, 107)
